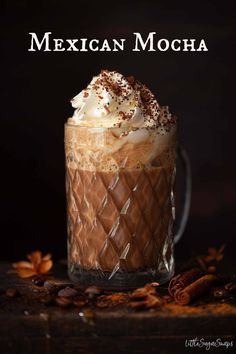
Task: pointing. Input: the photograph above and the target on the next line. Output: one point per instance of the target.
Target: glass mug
(121, 209)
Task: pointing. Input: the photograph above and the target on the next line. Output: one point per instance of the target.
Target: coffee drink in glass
(120, 148)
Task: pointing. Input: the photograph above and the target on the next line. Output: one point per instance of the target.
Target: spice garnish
(145, 297)
(111, 300)
(182, 280)
(195, 289)
(35, 266)
(214, 254)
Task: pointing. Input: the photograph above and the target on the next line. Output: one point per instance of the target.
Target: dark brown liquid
(119, 219)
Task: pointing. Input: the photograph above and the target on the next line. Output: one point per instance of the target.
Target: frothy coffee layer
(108, 150)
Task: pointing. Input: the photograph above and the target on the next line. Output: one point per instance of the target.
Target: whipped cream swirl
(113, 100)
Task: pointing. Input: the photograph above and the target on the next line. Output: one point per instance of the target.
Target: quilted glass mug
(121, 209)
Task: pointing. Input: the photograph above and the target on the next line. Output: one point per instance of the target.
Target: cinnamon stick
(195, 289)
(182, 280)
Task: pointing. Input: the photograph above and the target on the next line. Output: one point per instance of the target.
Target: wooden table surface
(28, 326)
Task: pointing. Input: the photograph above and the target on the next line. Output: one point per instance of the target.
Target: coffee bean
(228, 285)
(39, 280)
(231, 287)
(38, 290)
(92, 292)
(80, 302)
(53, 287)
(220, 293)
(63, 301)
(50, 287)
(12, 292)
(68, 292)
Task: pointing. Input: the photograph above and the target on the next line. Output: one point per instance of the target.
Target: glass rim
(76, 126)
(85, 126)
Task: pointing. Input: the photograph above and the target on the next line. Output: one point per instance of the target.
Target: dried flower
(35, 266)
(215, 254)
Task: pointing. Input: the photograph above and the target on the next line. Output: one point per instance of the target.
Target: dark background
(37, 86)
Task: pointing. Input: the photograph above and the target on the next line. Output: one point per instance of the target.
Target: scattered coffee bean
(63, 301)
(228, 285)
(80, 302)
(220, 293)
(92, 292)
(231, 287)
(38, 290)
(39, 280)
(53, 287)
(50, 286)
(12, 292)
(68, 292)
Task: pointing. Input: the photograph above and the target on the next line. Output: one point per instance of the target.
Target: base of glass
(121, 280)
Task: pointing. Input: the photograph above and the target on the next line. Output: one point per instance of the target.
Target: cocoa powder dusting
(218, 308)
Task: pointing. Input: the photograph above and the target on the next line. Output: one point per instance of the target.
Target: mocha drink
(120, 167)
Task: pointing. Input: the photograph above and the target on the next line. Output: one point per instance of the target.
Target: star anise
(214, 254)
(36, 265)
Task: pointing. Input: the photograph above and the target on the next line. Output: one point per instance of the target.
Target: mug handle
(181, 224)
